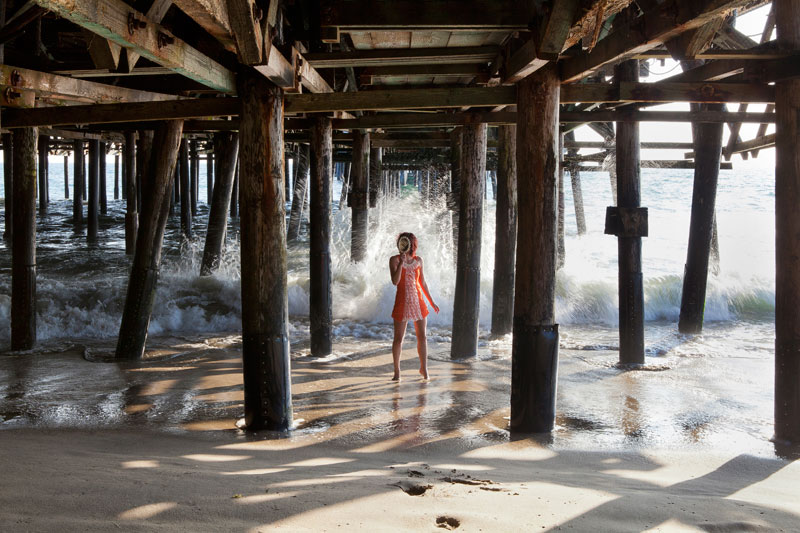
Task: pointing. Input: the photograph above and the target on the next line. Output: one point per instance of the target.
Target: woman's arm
(425, 287)
(396, 268)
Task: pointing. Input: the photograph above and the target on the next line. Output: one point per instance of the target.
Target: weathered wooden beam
(404, 56)
(656, 26)
(16, 23)
(754, 53)
(74, 90)
(710, 71)
(104, 53)
(663, 116)
(554, 28)
(156, 13)
(212, 16)
(478, 15)
(445, 70)
(522, 63)
(709, 92)
(117, 21)
(645, 145)
(246, 30)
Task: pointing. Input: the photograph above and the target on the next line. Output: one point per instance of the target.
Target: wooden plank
(506, 15)
(76, 90)
(457, 69)
(710, 71)
(523, 62)
(765, 141)
(407, 56)
(277, 69)
(756, 52)
(106, 73)
(554, 28)
(246, 30)
(156, 13)
(212, 16)
(663, 116)
(110, 19)
(695, 92)
(104, 53)
(654, 27)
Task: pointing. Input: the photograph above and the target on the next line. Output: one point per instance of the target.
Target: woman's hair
(412, 239)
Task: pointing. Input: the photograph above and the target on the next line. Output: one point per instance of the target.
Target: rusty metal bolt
(134, 23)
(707, 91)
(16, 78)
(164, 39)
(11, 94)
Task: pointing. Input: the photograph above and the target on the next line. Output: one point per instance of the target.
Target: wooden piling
(185, 186)
(116, 177)
(577, 192)
(287, 156)
(226, 150)
(77, 182)
(147, 258)
(455, 184)
(42, 173)
(103, 179)
(131, 212)
(8, 184)
(375, 171)
(23, 246)
(358, 197)
(235, 194)
(787, 233)
(466, 300)
(94, 191)
(209, 177)
(561, 248)
(631, 291)
(144, 152)
(194, 175)
(300, 188)
(265, 314)
(505, 241)
(66, 177)
(534, 352)
(708, 153)
(320, 296)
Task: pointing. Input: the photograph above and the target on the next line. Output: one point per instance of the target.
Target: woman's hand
(435, 308)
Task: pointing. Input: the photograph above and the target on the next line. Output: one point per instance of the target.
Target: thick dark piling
(44, 147)
(66, 177)
(132, 210)
(300, 192)
(23, 246)
(116, 177)
(235, 193)
(708, 153)
(787, 233)
(8, 183)
(185, 186)
(102, 174)
(505, 242)
(147, 258)
(321, 299)
(466, 300)
(195, 175)
(209, 176)
(375, 171)
(265, 309)
(629, 235)
(78, 167)
(358, 197)
(94, 191)
(226, 150)
(455, 184)
(534, 352)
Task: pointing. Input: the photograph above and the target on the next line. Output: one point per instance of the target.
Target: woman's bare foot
(396, 377)
(424, 373)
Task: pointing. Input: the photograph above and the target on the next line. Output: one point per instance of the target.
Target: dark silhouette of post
(185, 186)
(466, 301)
(787, 233)
(708, 153)
(534, 351)
(23, 246)
(505, 242)
(147, 258)
(321, 299)
(66, 177)
(630, 232)
(8, 183)
(358, 196)
(300, 190)
(132, 210)
(78, 166)
(94, 191)
(226, 148)
(265, 309)
(103, 179)
(44, 147)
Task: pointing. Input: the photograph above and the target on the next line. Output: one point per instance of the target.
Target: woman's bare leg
(397, 346)
(422, 346)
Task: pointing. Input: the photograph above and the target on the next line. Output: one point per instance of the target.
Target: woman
(406, 272)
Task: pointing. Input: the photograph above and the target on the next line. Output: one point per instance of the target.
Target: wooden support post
(147, 258)
(561, 248)
(66, 177)
(42, 173)
(321, 299)
(505, 242)
(132, 210)
(23, 246)
(185, 187)
(577, 192)
(94, 191)
(235, 194)
(534, 352)
(300, 191)
(375, 170)
(210, 157)
(287, 156)
(226, 150)
(265, 310)
(116, 177)
(707, 149)
(77, 182)
(631, 292)
(144, 152)
(195, 175)
(787, 234)
(103, 179)
(345, 184)
(466, 301)
(358, 198)
(8, 183)
(455, 184)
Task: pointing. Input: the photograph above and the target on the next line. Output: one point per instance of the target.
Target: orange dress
(408, 303)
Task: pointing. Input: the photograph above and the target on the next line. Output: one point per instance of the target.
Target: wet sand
(683, 445)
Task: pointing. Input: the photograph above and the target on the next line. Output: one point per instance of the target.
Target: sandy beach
(88, 445)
